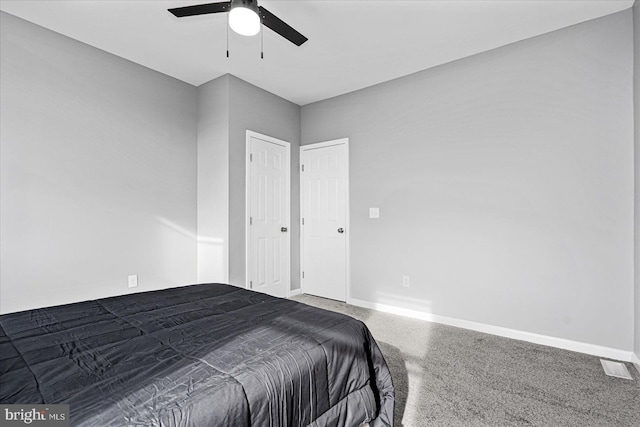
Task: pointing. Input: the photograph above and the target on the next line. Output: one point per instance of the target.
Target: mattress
(200, 355)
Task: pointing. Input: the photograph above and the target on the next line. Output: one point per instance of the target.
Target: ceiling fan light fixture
(244, 18)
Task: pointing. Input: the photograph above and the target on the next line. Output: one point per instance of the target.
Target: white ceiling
(352, 44)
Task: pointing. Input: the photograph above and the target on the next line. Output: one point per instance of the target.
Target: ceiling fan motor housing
(249, 4)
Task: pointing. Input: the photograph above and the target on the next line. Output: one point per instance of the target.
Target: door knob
(283, 229)
(340, 230)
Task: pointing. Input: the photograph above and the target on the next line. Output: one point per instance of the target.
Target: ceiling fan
(245, 17)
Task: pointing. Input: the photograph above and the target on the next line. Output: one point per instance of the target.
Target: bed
(199, 355)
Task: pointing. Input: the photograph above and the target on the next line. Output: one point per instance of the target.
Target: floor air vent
(615, 369)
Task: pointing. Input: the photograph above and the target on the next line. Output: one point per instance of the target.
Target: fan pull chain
(227, 35)
(261, 43)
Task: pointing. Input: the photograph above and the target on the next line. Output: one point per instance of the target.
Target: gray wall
(636, 98)
(228, 107)
(111, 169)
(504, 182)
(213, 181)
(252, 108)
(98, 172)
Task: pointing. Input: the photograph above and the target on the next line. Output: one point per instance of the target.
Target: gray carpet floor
(447, 376)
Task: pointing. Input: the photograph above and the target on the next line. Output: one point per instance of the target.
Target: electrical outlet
(405, 281)
(133, 281)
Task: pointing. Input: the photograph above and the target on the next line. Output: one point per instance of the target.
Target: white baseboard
(580, 347)
(294, 292)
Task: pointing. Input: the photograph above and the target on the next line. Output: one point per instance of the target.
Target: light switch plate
(374, 212)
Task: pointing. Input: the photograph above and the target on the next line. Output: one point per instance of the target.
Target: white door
(325, 228)
(268, 215)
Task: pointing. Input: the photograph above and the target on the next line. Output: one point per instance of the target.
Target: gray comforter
(201, 355)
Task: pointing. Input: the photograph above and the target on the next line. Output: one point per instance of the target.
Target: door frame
(314, 146)
(287, 274)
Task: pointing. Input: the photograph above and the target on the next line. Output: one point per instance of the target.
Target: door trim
(309, 147)
(247, 247)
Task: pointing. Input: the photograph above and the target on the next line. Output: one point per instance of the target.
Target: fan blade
(201, 9)
(279, 26)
